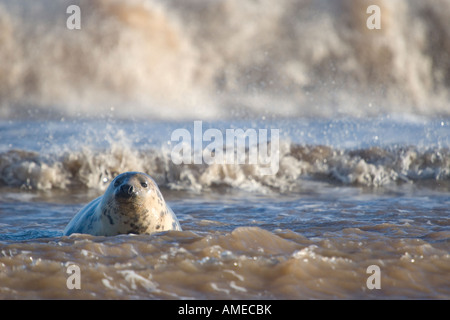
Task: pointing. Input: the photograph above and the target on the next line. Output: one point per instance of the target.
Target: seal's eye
(116, 183)
(144, 184)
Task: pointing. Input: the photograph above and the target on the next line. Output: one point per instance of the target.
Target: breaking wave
(213, 59)
(298, 164)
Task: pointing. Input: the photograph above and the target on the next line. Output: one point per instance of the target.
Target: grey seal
(132, 203)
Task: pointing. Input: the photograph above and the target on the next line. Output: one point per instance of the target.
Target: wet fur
(109, 215)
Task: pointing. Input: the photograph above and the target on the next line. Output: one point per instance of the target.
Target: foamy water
(335, 207)
(67, 155)
(363, 159)
(258, 248)
(198, 59)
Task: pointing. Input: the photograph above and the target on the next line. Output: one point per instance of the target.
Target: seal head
(132, 203)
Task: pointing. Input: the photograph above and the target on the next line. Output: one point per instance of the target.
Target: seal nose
(126, 190)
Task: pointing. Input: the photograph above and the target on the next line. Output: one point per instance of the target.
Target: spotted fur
(140, 209)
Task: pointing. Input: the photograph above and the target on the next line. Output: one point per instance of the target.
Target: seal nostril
(130, 190)
(127, 189)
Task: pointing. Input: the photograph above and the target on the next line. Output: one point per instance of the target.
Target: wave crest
(93, 168)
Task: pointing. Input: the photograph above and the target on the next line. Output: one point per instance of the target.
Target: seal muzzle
(126, 191)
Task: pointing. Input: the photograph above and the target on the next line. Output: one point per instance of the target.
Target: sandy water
(308, 246)
(312, 235)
